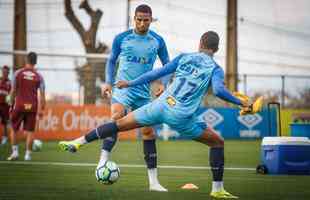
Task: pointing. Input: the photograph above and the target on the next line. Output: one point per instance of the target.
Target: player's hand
(106, 90)
(245, 100)
(253, 108)
(122, 84)
(160, 89)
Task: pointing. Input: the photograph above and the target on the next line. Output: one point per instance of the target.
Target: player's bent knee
(118, 111)
(147, 133)
(218, 143)
(117, 116)
(211, 138)
(127, 123)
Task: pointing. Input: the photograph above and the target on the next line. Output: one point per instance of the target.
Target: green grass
(32, 181)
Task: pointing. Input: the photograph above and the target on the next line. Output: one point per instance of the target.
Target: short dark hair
(210, 40)
(6, 67)
(144, 9)
(32, 58)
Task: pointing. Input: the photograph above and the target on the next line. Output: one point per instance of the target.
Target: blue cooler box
(286, 155)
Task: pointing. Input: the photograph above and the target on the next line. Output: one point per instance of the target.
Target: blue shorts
(129, 102)
(157, 112)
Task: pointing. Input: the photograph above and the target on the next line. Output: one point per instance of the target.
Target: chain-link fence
(290, 90)
(76, 79)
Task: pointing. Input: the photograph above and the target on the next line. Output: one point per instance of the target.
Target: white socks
(15, 149)
(104, 156)
(152, 174)
(153, 181)
(217, 186)
(28, 153)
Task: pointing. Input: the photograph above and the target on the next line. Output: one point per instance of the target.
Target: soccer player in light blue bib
(177, 106)
(135, 51)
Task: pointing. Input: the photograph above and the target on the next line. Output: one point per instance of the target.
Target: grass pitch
(60, 175)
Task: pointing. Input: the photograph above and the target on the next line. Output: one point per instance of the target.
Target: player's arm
(8, 96)
(13, 91)
(42, 95)
(219, 89)
(110, 67)
(151, 75)
(164, 59)
(111, 63)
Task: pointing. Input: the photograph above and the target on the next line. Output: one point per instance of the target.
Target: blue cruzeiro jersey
(136, 55)
(194, 73)
(192, 79)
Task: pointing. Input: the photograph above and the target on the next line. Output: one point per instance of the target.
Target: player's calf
(147, 133)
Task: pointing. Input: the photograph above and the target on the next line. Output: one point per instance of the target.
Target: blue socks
(150, 154)
(109, 143)
(102, 131)
(217, 163)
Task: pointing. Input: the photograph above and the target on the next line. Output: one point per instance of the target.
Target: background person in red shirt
(26, 83)
(5, 89)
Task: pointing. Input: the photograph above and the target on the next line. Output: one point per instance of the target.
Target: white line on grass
(121, 165)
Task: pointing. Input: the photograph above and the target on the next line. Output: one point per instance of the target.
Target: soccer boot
(4, 140)
(69, 146)
(12, 157)
(157, 188)
(27, 157)
(222, 194)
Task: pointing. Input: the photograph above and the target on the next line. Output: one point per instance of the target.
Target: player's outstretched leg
(101, 132)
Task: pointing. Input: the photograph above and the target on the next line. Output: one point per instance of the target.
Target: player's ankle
(217, 186)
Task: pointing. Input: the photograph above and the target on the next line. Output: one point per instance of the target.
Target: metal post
(283, 91)
(232, 46)
(20, 32)
(245, 84)
(127, 15)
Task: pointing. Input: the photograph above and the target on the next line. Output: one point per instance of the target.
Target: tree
(20, 32)
(94, 68)
(302, 100)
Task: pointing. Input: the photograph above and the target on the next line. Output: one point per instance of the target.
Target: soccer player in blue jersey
(178, 105)
(135, 51)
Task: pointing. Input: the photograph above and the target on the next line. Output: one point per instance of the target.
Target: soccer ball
(37, 145)
(108, 173)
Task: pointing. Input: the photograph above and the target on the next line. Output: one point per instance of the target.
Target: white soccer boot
(13, 156)
(4, 140)
(27, 157)
(157, 188)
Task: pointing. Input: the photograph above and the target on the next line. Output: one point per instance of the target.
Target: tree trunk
(94, 68)
(20, 32)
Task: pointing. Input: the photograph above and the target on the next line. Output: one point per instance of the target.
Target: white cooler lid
(285, 141)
